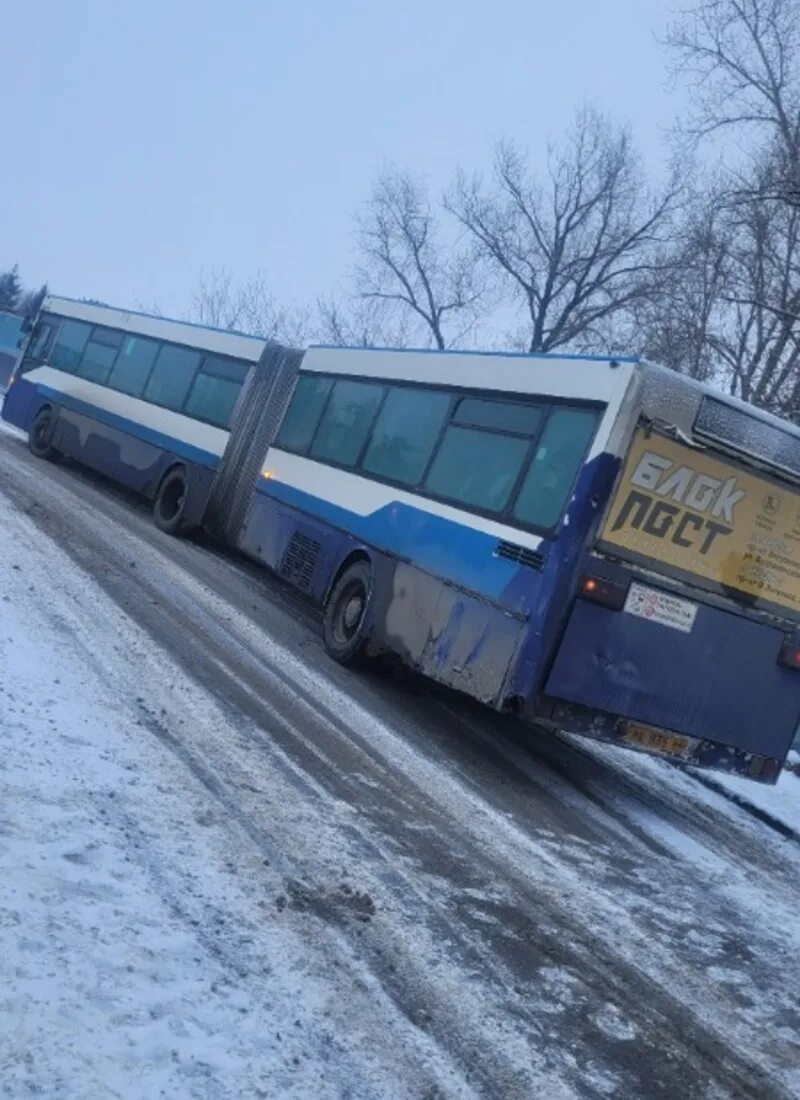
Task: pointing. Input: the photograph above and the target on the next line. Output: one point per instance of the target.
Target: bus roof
(224, 341)
(702, 413)
(594, 378)
(549, 355)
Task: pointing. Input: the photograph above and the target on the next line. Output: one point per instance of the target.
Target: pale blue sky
(145, 142)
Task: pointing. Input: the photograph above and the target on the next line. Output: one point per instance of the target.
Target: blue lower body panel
(125, 451)
(721, 681)
(120, 455)
(449, 634)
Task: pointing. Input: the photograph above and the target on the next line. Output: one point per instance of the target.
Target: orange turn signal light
(608, 593)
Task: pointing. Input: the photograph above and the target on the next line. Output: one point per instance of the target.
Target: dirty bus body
(592, 543)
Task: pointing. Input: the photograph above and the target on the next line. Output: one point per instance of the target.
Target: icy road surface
(230, 869)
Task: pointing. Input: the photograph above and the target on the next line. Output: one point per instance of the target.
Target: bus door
(683, 634)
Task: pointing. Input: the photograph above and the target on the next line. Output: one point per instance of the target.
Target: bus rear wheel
(345, 628)
(169, 505)
(39, 435)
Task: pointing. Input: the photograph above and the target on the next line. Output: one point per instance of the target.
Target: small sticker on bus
(661, 607)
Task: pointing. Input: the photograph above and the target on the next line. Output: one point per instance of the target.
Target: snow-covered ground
(229, 869)
(781, 802)
(138, 958)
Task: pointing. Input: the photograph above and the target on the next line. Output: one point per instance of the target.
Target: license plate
(661, 741)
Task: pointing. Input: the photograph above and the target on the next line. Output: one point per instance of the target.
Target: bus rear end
(684, 636)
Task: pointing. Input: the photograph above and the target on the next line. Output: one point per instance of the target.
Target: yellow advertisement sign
(702, 515)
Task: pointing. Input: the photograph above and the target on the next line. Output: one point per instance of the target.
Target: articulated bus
(595, 544)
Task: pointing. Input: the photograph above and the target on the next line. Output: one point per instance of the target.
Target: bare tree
(741, 60)
(407, 269)
(246, 307)
(729, 312)
(360, 323)
(580, 247)
(756, 333)
(673, 322)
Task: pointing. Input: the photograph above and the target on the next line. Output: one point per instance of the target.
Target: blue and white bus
(595, 544)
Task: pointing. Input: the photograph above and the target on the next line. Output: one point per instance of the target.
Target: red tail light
(789, 656)
(608, 593)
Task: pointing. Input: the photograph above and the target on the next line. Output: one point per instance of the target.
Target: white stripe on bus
(193, 433)
(364, 497)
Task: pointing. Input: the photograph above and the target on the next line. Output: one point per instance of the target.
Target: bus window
(99, 354)
(172, 376)
(502, 416)
(346, 422)
(405, 434)
(132, 368)
(40, 341)
(475, 468)
(215, 390)
(70, 342)
(555, 466)
(302, 416)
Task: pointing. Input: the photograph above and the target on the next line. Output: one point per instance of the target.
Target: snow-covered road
(231, 869)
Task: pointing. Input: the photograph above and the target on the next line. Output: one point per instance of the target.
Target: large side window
(477, 468)
(99, 354)
(216, 389)
(305, 409)
(517, 460)
(405, 434)
(346, 421)
(133, 365)
(555, 466)
(69, 345)
(172, 376)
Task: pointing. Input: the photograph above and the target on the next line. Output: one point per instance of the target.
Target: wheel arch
(36, 409)
(170, 467)
(358, 553)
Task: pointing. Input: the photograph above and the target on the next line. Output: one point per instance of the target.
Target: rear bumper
(713, 678)
(695, 752)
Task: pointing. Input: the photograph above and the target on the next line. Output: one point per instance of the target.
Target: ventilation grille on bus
(299, 560)
(511, 552)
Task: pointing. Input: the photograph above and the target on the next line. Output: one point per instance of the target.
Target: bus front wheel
(169, 505)
(345, 629)
(40, 433)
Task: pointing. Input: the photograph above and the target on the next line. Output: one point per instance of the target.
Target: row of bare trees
(575, 251)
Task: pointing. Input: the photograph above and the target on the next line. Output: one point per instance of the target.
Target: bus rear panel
(683, 638)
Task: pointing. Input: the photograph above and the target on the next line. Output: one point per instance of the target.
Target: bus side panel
(447, 634)
(554, 593)
(119, 455)
(721, 680)
(129, 460)
(122, 452)
(21, 403)
(451, 635)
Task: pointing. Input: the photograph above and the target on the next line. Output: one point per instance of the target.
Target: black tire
(346, 622)
(170, 501)
(39, 435)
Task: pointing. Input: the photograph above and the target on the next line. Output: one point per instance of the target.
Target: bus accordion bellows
(596, 544)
